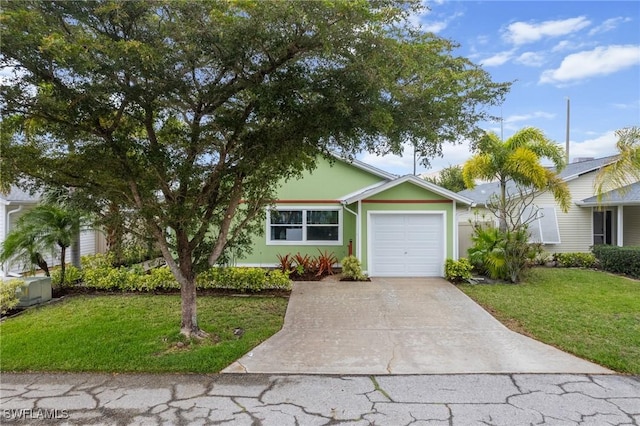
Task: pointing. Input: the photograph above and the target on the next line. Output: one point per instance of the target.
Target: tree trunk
(189, 323)
(503, 206)
(63, 255)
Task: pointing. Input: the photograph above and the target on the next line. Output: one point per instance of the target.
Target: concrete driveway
(398, 326)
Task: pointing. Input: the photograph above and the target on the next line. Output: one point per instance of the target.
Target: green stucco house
(397, 226)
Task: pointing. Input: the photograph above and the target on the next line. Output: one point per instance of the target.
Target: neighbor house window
(544, 229)
(304, 226)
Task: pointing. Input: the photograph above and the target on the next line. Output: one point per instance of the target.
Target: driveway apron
(398, 326)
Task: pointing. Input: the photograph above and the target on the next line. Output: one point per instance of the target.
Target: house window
(304, 226)
(544, 229)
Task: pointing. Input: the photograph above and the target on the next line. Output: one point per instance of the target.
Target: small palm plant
(42, 229)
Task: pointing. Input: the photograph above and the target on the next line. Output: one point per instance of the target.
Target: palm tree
(23, 245)
(518, 159)
(626, 170)
(43, 228)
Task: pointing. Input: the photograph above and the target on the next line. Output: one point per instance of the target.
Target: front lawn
(135, 333)
(594, 315)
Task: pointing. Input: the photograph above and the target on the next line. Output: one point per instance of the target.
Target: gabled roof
(18, 196)
(575, 170)
(366, 193)
(481, 193)
(364, 166)
(625, 196)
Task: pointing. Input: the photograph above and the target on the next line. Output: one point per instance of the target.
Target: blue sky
(587, 51)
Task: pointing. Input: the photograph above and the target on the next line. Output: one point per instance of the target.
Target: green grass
(135, 333)
(591, 314)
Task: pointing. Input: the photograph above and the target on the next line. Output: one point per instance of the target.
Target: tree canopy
(450, 178)
(188, 114)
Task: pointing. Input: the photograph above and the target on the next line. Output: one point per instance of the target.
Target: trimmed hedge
(99, 274)
(576, 260)
(619, 260)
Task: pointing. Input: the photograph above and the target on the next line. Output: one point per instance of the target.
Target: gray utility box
(34, 291)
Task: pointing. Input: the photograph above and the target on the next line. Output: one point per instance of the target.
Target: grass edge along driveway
(591, 314)
(136, 333)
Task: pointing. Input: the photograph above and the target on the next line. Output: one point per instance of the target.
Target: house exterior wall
(631, 217)
(323, 187)
(575, 226)
(407, 198)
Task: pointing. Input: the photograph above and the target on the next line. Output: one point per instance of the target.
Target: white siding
(631, 225)
(3, 213)
(575, 226)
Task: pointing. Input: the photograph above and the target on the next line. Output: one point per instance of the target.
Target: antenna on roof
(568, 120)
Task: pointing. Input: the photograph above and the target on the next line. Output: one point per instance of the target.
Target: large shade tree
(517, 160)
(188, 114)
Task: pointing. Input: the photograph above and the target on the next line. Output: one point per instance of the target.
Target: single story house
(16, 203)
(396, 226)
(615, 220)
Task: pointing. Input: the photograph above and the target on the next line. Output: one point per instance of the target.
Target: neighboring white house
(615, 220)
(18, 202)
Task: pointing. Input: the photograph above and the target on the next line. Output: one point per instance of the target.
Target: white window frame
(535, 227)
(304, 241)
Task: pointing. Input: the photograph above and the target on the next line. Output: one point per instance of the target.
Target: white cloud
(523, 32)
(631, 105)
(531, 59)
(402, 165)
(599, 61)
(526, 117)
(609, 24)
(435, 27)
(497, 59)
(601, 146)
(566, 45)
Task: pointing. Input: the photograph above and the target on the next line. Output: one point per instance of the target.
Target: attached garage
(406, 244)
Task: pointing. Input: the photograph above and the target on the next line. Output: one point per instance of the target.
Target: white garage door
(406, 245)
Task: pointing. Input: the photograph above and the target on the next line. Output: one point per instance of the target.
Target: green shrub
(72, 276)
(243, 279)
(351, 269)
(619, 260)
(9, 294)
(576, 260)
(502, 255)
(156, 279)
(458, 271)
(99, 274)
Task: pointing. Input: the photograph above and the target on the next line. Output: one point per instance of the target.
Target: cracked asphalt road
(257, 399)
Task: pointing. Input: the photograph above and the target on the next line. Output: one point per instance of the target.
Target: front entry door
(603, 227)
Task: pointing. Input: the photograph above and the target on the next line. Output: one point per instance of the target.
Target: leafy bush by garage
(458, 271)
(619, 260)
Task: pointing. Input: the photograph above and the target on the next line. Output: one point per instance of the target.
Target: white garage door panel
(406, 244)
